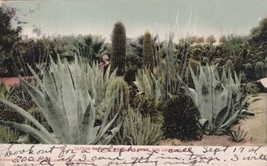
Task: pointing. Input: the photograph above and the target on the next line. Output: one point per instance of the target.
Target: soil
(255, 127)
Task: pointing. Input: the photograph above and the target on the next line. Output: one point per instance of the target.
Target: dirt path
(256, 126)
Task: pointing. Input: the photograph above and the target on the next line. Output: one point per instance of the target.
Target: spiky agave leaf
(218, 97)
(46, 135)
(65, 98)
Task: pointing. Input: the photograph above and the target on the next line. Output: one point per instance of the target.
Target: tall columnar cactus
(147, 50)
(118, 58)
(260, 70)
(249, 72)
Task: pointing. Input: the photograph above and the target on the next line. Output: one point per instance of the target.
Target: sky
(97, 17)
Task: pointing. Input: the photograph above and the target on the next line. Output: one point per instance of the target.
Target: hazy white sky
(193, 17)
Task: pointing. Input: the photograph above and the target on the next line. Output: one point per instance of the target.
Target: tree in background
(9, 36)
(258, 35)
(211, 39)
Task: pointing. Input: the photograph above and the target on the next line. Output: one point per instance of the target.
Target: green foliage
(249, 71)
(138, 129)
(237, 135)
(68, 100)
(88, 46)
(252, 88)
(218, 98)
(119, 48)
(149, 86)
(8, 35)
(5, 90)
(181, 119)
(211, 39)
(258, 35)
(148, 50)
(260, 70)
(171, 59)
(148, 99)
(8, 135)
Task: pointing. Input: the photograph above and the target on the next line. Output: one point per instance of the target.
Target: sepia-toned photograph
(133, 72)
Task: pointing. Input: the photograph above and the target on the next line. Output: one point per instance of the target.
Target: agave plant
(148, 98)
(149, 86)
(218, 98)
(69, 96)
(138, 129)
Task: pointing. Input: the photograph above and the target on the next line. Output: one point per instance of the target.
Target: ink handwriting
(73, 155)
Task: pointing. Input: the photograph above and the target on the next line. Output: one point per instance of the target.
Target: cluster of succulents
(168, 90)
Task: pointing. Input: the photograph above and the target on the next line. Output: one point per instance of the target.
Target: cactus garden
(194, 91)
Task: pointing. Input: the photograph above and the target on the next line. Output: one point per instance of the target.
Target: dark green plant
(238, 135)
(148, 58)
(118, 57)
(9, 35)
(249, 71)
(181, 119)
(260, 70)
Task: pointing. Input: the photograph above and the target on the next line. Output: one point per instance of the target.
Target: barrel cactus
(260, 70)
(118, 58)
(249, 72)
(118, 84)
